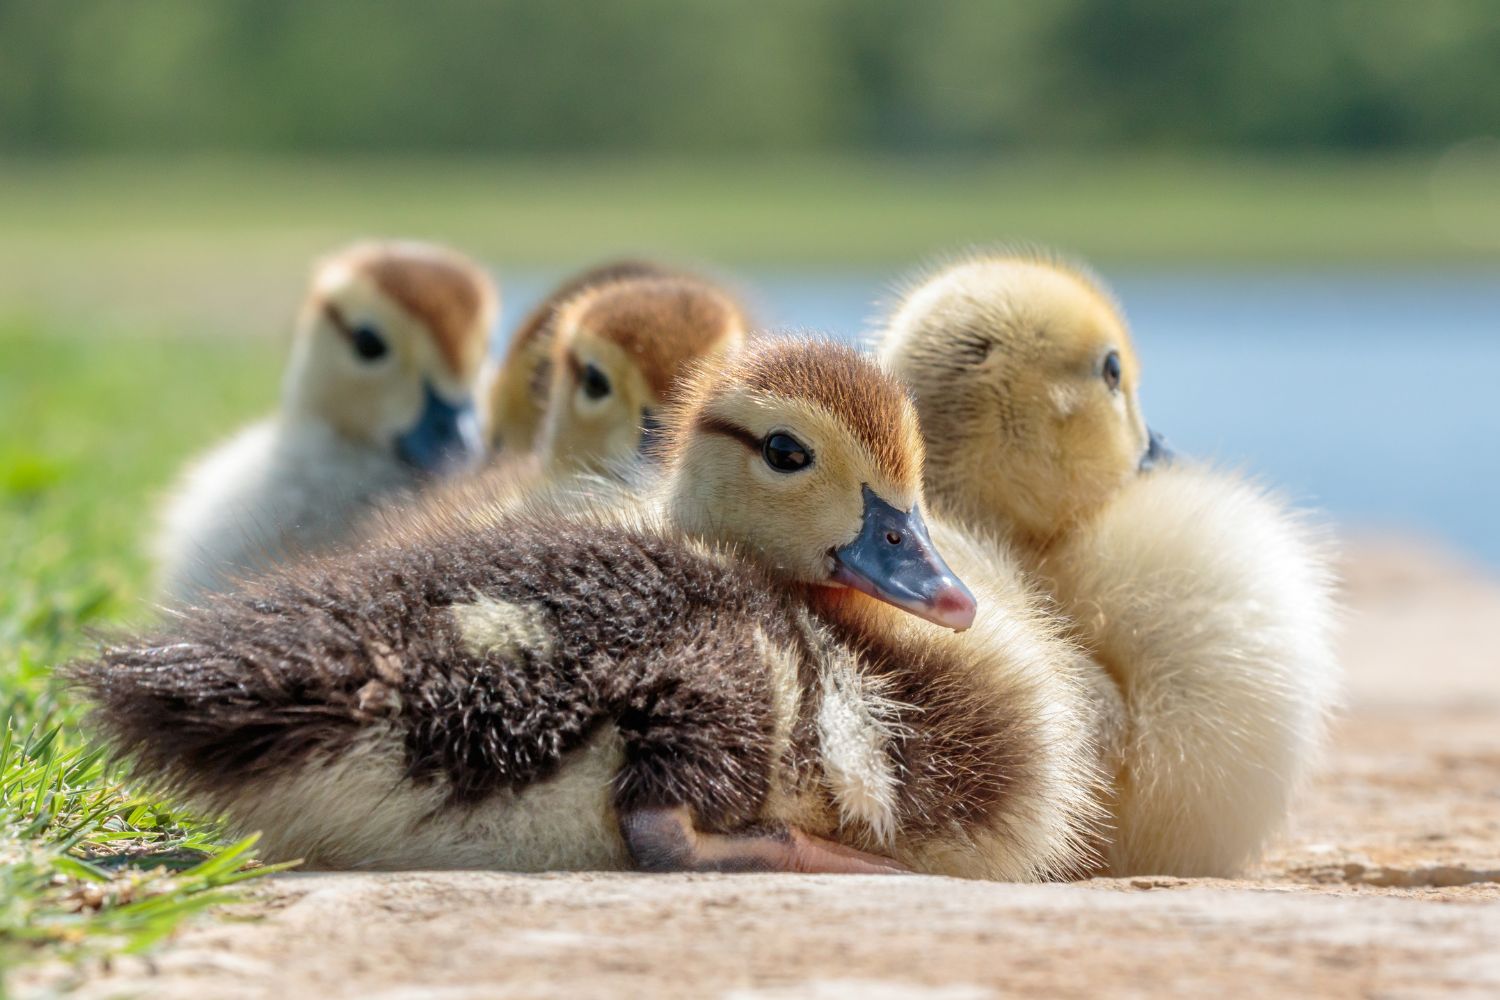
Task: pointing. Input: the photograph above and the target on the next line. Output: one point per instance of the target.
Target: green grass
(774, 210)
(95, 426)
(229, 240)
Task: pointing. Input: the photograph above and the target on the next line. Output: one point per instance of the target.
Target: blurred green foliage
(578, 76)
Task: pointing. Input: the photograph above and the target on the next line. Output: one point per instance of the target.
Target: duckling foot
(666, 840)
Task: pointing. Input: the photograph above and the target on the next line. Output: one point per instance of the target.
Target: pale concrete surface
(1388, 884)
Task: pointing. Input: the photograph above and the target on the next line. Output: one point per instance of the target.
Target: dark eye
(1112, 370)
(595, 383)
(785, 453)
(368, 344)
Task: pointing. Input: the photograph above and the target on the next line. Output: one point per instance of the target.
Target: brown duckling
(730, 673)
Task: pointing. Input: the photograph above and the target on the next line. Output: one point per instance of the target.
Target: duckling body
(1201, 598)
(265, 495)
(1210, 603)
(532, 683)
(377, 399)
(598, 683)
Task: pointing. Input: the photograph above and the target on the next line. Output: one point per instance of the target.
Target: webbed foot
(665, 839)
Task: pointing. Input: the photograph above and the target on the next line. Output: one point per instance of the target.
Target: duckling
(518, 392)
(750, 668)
(377, 397)
(1042, 373)
(618, 351)
(1204, 597)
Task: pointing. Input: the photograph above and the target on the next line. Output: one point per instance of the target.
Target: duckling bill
(661, 684)
(893, 560)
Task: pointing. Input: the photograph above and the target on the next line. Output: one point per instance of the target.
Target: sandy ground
(1388, 883)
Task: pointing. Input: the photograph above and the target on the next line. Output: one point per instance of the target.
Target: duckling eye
(595, 383)
(368, 343)
(785, 453)
(1112, 370)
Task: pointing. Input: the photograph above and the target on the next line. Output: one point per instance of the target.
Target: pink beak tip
(954, 608)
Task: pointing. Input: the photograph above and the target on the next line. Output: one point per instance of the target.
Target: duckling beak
(892, 560)
(1157, 452)
(444, 438)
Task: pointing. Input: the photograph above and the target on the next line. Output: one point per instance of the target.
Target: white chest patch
(855, 728)
(489, 626)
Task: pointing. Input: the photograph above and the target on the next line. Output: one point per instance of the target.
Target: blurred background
(1298, 202)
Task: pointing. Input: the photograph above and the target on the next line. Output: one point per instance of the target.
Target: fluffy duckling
(618, 352)
(716, 677)
(1205, 598)
(1027, 360)
(519, 390)
(378, 395)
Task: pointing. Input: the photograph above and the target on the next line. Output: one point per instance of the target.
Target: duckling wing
(452, 675)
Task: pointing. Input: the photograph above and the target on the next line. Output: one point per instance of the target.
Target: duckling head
(1026, 380)
(619, 352)
(517, 395)
(807, 457)
(388, 350)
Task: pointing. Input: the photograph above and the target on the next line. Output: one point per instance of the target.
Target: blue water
(1370, 396)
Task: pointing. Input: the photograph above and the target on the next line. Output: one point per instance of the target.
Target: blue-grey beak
(892, 560)
(444, 438)
(651, 436)
(1157, 452)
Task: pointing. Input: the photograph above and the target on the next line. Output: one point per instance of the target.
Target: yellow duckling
(1205, 599)
(378, 397)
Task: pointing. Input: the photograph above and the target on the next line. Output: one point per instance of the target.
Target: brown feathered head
(389, 347)
(517, 394)
(619, 351)
(806, 455)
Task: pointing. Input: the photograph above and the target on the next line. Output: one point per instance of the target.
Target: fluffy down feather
(1211, 604)
(273, 491)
